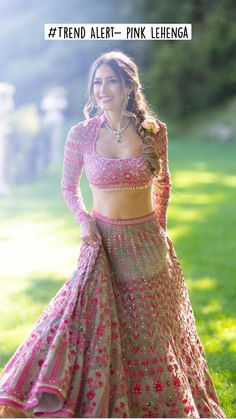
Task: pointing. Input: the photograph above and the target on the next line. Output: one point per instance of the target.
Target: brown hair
(137, 106)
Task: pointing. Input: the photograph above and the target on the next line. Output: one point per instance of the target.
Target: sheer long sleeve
(161, 186)
(71, 175)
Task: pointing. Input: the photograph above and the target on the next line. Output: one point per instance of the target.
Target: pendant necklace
(117, 132)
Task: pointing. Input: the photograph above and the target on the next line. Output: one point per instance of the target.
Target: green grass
(39, 247)
(202, 226)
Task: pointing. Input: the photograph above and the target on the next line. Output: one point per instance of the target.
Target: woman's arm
(161, 186)
(71, 174)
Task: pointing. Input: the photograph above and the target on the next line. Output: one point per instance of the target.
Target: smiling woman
(119, 338)
(108, 88)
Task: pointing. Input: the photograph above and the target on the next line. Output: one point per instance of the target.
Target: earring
(126, 101)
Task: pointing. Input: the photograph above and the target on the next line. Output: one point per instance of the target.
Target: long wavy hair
(136, 107)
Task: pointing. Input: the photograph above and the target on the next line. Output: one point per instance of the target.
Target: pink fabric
(118, 339)
(104, 173)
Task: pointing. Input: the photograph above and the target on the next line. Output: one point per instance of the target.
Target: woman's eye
(110, 81)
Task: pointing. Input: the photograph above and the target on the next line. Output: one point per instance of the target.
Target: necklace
(118, 132)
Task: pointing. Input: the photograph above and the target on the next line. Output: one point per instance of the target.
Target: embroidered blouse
(111, 174)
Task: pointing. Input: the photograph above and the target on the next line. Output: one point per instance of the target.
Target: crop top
(112, 173)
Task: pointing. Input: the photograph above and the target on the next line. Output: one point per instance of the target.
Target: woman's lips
(105, 99)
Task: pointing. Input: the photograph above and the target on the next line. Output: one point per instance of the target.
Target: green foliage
(186, 76)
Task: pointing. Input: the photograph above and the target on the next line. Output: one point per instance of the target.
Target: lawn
(39, 247)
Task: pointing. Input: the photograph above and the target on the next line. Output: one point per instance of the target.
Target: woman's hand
(89, 232)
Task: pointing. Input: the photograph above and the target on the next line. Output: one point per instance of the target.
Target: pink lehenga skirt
(118, 339)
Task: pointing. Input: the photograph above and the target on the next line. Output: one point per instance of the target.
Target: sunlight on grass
(14, 337)
(226, 328)
(35, 247)
(222, 332)
(188, 179)
(201, 284)
(229, 181)
(214, 306)
(196, 198)
(192, 178)
(187, 214)
(177, 230)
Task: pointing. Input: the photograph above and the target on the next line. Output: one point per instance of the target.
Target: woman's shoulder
(80, 131)
(85, 124)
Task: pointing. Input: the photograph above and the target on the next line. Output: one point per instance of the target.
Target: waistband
(123, 221)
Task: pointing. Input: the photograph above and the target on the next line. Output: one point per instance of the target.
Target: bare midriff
(126, 203)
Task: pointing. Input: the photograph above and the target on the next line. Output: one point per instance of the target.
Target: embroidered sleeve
(71, 175)
(161, 186)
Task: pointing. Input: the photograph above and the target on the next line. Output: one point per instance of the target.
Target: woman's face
(108, 89)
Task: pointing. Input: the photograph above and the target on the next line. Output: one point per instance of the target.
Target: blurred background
(190, 84)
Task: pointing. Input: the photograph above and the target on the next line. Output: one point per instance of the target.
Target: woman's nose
(103, 88)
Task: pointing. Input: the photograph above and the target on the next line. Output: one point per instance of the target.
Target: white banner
(118, 31)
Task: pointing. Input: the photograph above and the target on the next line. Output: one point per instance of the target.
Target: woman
(119, 339)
